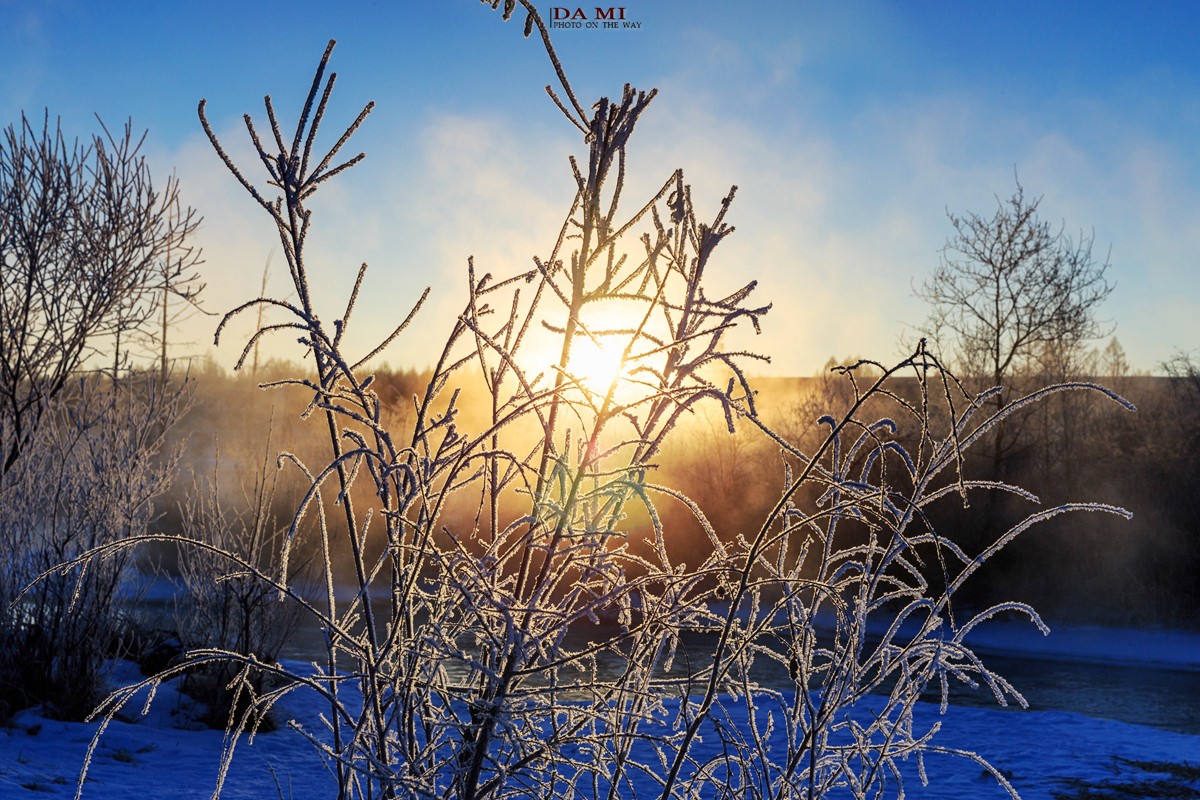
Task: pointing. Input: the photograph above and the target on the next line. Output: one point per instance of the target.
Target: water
(1166, 699)
(1161, 698)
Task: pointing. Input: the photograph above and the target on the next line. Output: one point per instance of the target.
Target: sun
(596, 363)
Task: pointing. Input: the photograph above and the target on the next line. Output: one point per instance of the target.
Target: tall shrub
(88, 479)
(511, 629)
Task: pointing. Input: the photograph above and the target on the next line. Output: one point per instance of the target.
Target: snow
(164, 755)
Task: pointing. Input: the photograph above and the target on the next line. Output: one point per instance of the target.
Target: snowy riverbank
(1044, 751)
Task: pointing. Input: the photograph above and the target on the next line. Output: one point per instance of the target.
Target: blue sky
(850, 128)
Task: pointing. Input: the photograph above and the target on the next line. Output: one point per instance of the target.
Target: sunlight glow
(596, 364)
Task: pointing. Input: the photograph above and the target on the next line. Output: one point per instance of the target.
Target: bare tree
(87, 246)
(175, 279)
(1183, 369)
(1114, 365)
(1009, 290)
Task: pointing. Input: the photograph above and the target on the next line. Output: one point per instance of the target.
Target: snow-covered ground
(1043, 751)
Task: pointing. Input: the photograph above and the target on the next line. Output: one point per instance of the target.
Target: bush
(516, 612)
(225, 609)
(88, 480)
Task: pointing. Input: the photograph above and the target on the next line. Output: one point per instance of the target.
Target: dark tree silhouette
(1010, 290)
(88, 245)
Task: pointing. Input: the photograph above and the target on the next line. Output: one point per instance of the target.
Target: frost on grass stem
(515, 613)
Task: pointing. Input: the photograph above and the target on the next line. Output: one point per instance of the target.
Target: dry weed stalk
(510, 630)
